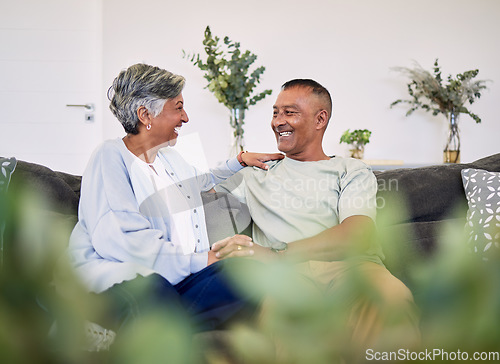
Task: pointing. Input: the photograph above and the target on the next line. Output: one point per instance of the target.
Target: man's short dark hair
(316, 89)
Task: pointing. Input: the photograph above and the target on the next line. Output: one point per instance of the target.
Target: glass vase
(451, 153)
(357, 150)
(237, 119)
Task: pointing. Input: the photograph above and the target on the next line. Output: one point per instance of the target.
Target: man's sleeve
(358, 193)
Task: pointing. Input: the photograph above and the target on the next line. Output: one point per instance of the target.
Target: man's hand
(258, 159)
(234, 246)
(241, 246)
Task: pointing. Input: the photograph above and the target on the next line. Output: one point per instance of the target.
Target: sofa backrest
(60, 191)
(430, 193)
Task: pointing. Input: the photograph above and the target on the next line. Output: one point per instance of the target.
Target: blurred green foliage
(358, 136)
(457, 293)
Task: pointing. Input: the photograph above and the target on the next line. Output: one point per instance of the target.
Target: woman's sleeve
(207, 181)
(117, 229)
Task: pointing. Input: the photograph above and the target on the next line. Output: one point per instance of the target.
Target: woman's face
(166, 126)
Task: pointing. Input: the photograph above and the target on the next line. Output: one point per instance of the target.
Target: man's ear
(321, 119)
(144, 115)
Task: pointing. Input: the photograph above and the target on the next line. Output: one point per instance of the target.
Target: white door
(50, 57)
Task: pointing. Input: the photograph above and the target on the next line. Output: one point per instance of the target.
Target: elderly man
(318, 211)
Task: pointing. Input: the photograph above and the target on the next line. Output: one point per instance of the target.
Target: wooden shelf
(384, 162)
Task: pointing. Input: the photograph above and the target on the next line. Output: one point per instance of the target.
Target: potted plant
(428, 92)
(227, 70)
(357, 139)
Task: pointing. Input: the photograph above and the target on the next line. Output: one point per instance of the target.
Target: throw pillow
(482, 189)
(7, 166)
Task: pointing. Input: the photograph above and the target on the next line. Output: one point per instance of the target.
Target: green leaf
(226, 69)
(427, 91)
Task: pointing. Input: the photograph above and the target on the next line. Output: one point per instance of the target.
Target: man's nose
(278, 120)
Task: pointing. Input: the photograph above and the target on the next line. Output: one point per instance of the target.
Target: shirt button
(194, 211)
(180, 185)
(171, 173)
(198, 240)
(196, 226)
(188, 196)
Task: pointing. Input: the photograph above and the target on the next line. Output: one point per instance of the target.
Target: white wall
(50, 56)
(348, 46)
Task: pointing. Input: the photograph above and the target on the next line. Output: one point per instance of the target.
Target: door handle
(89, 107)
(89, 114)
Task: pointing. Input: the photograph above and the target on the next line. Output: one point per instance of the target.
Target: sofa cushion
(225, 216)
(429, 193)
(59, 191)
(482, 189)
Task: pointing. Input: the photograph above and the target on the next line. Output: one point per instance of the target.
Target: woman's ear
(144, 115)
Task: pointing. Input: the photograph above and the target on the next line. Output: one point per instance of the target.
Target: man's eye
(290, 112)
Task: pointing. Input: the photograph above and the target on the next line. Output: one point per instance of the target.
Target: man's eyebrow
(292, 106)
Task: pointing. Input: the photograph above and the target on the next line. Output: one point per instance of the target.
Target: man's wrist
(280, 250)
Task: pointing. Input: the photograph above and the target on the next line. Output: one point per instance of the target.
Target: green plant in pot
(227, 70)
(357, 139)
(428, 92)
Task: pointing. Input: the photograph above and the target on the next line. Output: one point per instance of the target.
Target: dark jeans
(207, 297)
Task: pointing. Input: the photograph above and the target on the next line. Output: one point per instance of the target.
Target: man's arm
(349, 238)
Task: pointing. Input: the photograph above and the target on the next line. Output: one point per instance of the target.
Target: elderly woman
(141, 215)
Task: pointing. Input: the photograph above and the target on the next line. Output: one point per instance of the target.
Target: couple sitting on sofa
(141, 214)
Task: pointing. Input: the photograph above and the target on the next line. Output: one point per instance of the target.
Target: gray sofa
(429, 195)
(414, 204)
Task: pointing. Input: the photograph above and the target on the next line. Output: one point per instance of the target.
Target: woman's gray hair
(142, 85)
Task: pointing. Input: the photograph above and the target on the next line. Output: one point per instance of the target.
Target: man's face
(294, 121)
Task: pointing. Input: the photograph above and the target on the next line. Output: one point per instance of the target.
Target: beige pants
(376, 309)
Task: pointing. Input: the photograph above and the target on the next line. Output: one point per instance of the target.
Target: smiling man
(319, 211)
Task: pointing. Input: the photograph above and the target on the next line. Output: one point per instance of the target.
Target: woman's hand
(258, 159)
(234, 246)
(211, 258)
(240, 246)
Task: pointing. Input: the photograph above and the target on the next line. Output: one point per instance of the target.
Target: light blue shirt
(137, 219)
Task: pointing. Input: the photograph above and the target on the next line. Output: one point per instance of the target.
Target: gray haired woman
(141, 215)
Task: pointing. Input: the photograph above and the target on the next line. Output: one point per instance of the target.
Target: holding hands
(234, 246)
(238, 246)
